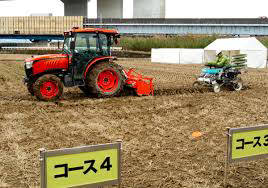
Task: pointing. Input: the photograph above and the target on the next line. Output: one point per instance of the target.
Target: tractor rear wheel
(197, 85)
(105, 79)
(238, 85)
(48, 88)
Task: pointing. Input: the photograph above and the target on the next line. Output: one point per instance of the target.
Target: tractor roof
(95, 30)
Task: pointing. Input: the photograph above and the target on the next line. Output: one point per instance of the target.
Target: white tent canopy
(255, 50)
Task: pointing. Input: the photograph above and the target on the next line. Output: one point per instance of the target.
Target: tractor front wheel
(48, 88)
(216, 88)
(105, 80)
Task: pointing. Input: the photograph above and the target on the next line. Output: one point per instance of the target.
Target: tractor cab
(84, 46)
(98, 42)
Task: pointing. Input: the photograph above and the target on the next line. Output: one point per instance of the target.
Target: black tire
(111, 73)
(30, 88)
(48, 88)
(238, 85)
(197, 85)
(85, 90)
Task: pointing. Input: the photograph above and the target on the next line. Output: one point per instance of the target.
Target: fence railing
(39, 24)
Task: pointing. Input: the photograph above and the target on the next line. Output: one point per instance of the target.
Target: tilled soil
(158, 148)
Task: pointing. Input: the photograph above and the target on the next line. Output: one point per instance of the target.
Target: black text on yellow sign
(248, 143)
(98, 167)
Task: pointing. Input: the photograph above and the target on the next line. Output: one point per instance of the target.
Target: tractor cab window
(104, 44)
(86, 42)
(66, 45)
(93, 43)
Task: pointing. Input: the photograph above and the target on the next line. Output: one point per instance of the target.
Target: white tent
(255, 50)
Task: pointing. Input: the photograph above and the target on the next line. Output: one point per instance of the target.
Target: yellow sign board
(248, 143)
(93, 165)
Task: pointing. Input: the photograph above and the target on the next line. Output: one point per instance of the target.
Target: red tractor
(85, 62)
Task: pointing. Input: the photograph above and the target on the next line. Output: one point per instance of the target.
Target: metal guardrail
(30, 48)
(179, 21)
(182, 29)
(183, 26)
(43, 48)
(32, 37)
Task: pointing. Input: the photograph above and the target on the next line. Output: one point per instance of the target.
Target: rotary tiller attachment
(143, 86)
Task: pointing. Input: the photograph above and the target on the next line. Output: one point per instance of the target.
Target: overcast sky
(174, 8)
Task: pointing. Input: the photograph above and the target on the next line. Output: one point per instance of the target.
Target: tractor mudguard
(97, 60)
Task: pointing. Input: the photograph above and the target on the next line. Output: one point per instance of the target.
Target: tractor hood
(46, 57)
(47, 63)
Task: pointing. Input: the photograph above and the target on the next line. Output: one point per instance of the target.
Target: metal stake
(120, 141)
(42, 164)
(226, 161)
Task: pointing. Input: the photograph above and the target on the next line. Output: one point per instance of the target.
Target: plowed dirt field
(158, 148)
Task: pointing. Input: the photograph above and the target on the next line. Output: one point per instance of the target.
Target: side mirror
(72, 45)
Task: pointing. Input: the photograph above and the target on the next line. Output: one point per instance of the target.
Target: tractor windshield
(93, 43)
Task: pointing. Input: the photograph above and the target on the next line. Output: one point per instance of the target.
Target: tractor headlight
(28, 64)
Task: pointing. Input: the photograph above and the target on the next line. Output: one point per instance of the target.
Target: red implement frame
(142, 85)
